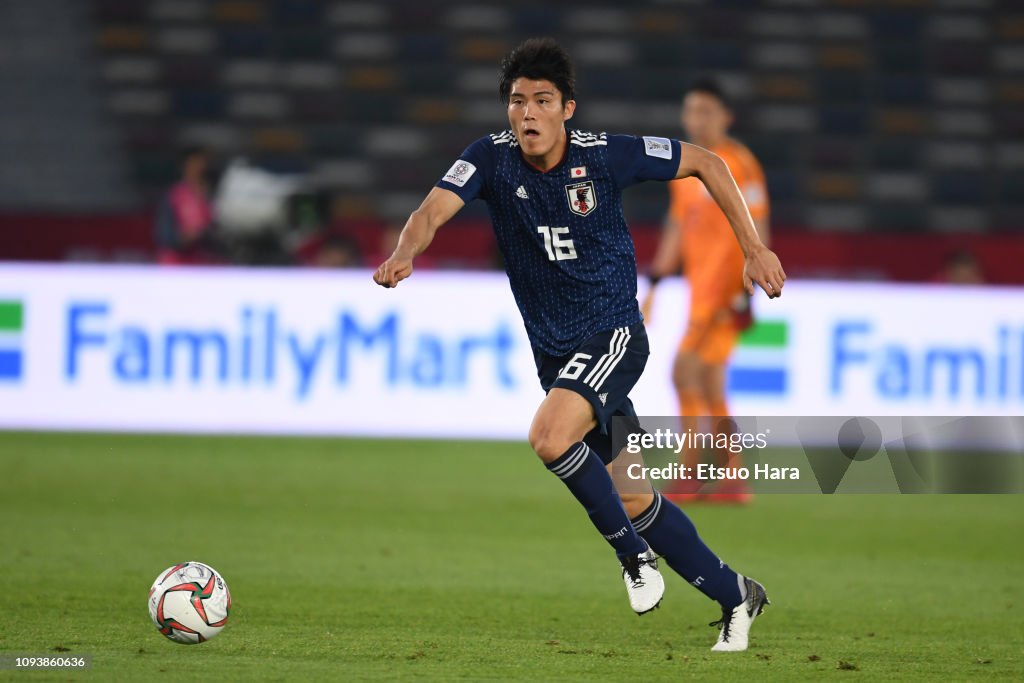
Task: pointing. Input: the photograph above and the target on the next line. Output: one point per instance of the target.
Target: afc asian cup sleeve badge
(459, 173)
(582, 198)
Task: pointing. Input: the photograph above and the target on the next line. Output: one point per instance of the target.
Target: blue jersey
(568, 252)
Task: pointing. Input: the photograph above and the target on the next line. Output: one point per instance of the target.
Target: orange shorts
(711, 335)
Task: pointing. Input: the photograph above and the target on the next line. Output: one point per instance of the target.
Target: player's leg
(556, 435)
(714, 357)
(583, 391)
(712, 360)
(673, 536)
(686, 376)
(692, 407)
(712, 379)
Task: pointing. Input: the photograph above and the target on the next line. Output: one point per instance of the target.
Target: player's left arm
(761, 265)
(750, 177)
(764, 230)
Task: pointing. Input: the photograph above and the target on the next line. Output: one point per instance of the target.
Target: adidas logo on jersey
(602, 398)
(521, 192)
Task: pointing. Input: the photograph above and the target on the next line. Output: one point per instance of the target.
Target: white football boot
(644, 582)
(735, 623)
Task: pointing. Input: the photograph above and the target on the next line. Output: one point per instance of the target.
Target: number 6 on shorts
(575, 367)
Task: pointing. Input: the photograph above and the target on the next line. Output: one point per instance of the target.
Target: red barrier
(470, 244)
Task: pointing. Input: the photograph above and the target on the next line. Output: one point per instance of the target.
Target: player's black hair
(538, 59)
(710, 86)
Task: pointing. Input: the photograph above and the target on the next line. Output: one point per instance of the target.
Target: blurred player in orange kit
(698, 238)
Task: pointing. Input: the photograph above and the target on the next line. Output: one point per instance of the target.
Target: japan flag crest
(582, 197)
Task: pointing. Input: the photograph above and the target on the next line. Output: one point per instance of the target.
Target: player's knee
(636, 503)
(547, 442)
(678, 374)
(685, 375)
(678, 381)
(685, 386)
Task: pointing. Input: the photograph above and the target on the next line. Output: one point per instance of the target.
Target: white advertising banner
(444, 354)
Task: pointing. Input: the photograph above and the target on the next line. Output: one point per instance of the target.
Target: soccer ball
(189, 602)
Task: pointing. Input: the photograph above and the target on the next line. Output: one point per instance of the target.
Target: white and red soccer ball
(189, 602)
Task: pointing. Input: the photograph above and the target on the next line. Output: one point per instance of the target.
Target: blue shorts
(603, 370)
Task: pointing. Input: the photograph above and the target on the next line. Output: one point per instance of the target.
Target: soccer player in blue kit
(555, 200)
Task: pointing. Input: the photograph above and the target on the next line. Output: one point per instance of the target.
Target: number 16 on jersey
(558, 249)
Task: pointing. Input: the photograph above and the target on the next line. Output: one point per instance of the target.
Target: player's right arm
(437, 209)
(667, 261)
(459, 186)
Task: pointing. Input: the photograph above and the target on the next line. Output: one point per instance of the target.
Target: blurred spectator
(337, 251)
(962, 268)
(326, 249)
(184, 221)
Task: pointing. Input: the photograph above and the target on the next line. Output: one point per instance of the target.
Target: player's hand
(763, 267)
(393, 271)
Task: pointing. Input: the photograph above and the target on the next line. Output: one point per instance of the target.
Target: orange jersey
(711, 256)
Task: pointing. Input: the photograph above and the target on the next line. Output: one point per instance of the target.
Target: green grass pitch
(383, 560)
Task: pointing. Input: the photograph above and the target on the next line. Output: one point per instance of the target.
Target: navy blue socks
(582, 471)
(672, 535)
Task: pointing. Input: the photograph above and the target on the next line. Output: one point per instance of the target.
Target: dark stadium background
(891, 132)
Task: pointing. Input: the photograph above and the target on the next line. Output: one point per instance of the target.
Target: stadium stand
(60, 151)
(883, 118)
